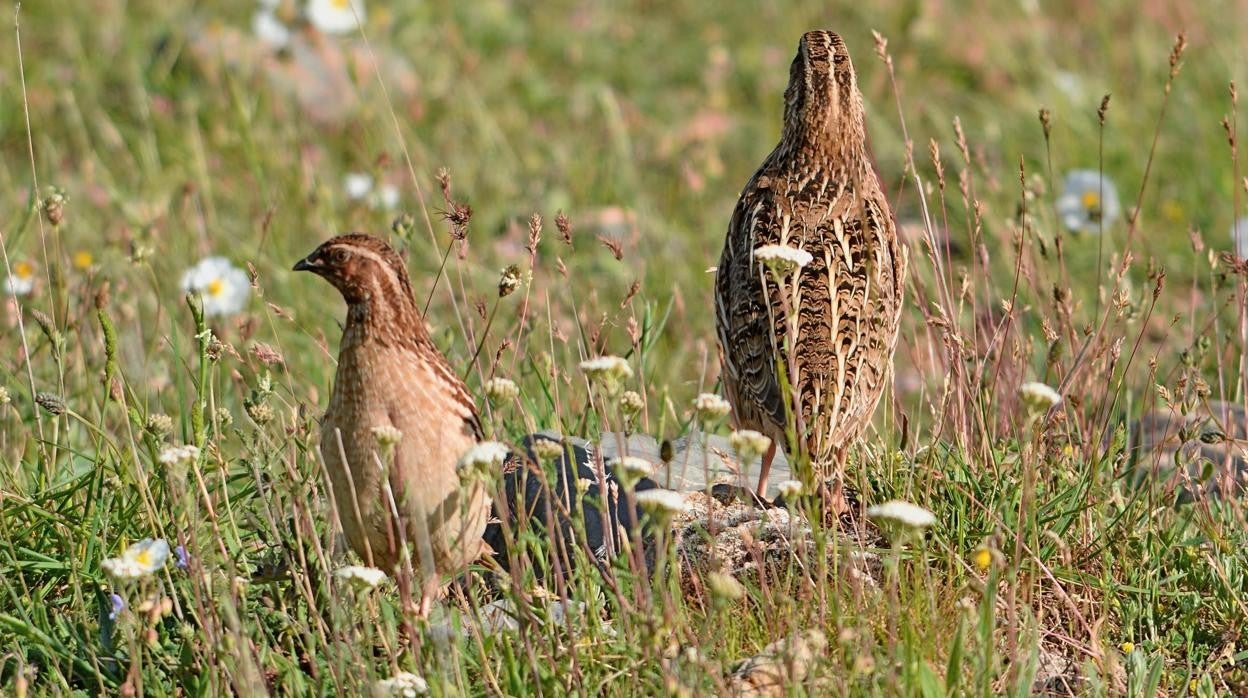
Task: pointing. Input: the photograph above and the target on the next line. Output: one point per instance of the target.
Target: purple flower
(119, 605)
(183, 559)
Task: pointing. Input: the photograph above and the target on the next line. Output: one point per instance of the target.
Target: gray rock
(1201, 454)
(699, 461)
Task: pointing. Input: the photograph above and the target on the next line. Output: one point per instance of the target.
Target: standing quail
(830, 323)
(392, 382)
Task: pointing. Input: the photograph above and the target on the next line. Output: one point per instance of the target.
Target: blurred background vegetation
(174, 133)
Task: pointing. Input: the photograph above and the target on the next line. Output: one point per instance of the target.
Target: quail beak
(306, 264)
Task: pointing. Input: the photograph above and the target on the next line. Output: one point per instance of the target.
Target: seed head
(51, 402)
(159, 424)
(547, 450)
(387, 436)
(501, 390)
(725, 586)
(509, 281)
(403, 225)
(266, 354)
(565, 228)
(260, 413)
(631, 403)
(53, 206)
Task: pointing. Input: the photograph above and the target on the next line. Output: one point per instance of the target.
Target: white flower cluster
(748, 444)
(903, 513)
(607, 367)
(487, 456)
(662, 503)
(361, 578)
(711, 407)
(403, 684)
(178, 455)
(1038, 397)
(782, 259)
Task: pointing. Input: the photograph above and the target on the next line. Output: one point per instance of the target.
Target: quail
(400, 422)
(830, 324)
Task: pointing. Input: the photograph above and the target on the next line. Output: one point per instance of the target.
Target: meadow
(600, 147)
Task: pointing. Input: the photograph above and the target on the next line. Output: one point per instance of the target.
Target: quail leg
(764, 470)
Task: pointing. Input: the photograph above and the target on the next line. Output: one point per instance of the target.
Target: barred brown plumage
(395, 397)
(392, 377)
(833, 325)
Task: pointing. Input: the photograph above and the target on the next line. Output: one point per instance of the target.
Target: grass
(656, 116)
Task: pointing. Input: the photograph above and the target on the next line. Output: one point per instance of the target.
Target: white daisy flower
(360, 577)
(357, 185)
(782, 259)
(790, 489)
(904, 513)
(335, 16)
(711, 407)
(178, 455)
(138, 560)
(1088, 200)
(500, 390)
(269, 29)
(22, 281)
(1038, 397)
(223, 287)
(748, 444)
(404, 684)
(662, 503)
(1239, 235)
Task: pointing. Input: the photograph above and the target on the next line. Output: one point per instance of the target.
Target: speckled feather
(816, 191)
(391, 375)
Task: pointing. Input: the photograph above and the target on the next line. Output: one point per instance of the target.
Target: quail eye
(338, 256)
(838, 58)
